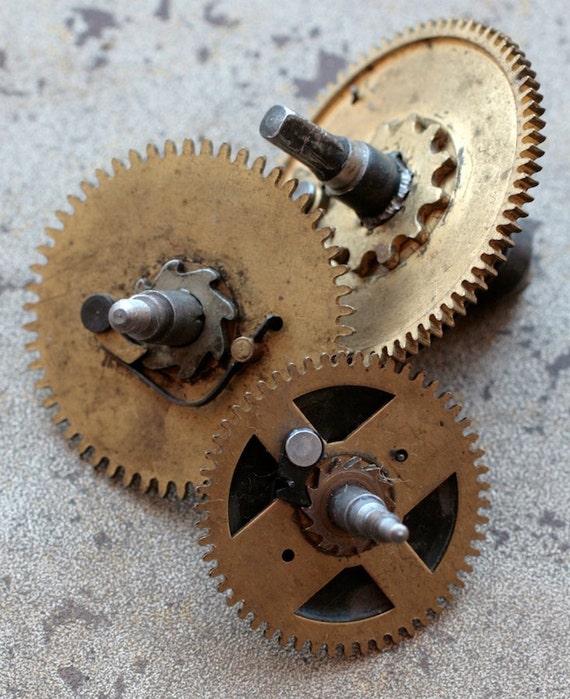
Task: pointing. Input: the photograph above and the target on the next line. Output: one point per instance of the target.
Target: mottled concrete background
(103, 592)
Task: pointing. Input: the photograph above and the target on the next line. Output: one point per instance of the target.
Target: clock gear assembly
(344, 497)
(342, 502)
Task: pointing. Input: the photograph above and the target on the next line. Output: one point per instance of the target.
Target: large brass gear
(381, 424)
(477, 87)
(206, 209)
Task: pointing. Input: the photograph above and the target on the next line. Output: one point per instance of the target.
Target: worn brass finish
(270, 565)
(210, 211)
(478, 86)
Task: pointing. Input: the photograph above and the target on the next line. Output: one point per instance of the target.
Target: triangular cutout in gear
(350, 596)
(336, 411)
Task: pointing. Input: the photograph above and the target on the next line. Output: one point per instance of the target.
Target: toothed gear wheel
(376, 422)
(473, 84)
(206, 211)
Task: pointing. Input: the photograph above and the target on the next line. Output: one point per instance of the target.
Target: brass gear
(276, 572)
(206, 209)
(478, 86)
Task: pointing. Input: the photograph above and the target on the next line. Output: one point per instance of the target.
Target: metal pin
(361, 513)
(303, 447)
(323, 153)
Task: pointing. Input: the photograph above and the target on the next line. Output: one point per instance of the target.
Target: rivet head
(303, 447)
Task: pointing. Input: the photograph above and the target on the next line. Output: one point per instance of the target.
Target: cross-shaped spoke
(290, 418)
(422, 480)
(399, 573)
(293, 569)
(381, 427)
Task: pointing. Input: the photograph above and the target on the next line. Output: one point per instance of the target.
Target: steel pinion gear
(341, 504)
(416, 256)
(174, 284)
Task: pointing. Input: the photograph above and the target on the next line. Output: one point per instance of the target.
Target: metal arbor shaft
(359, 512)
(355, 173)
(161, 317)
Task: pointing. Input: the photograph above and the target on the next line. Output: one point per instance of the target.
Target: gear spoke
(415, 484)
(268, 540)
(398, 572)
(290, 418)
(380, 428)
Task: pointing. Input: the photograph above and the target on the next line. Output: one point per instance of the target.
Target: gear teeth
(458, 304)
(48, 401)
(74, 202)
(293, 373)
(31, 326)
(152, 151)
(412, 347)
(435, 327)
(225, 151)
(188, 147)
(315, 218)
(170, 149)
(207, 148)
(275, 176)
(243, 611)
(339, 269)
(289, 187)
(304, 203)
(242, 156)
(237, 411)
(101, 176)
(135, 158)
(87, 188)
(258, 164)
(326, 361)
(399, 353)
(264, 388)
(526, 182)
(62, 216)
(36, 364)
(118, 169)
(455, 410)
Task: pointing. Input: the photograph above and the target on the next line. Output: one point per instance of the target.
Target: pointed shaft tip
(361, 513)
(173, 318)
(130, 316)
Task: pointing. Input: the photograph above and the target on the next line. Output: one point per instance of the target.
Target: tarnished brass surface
(478, 86)
(270, 564)
(206, 209)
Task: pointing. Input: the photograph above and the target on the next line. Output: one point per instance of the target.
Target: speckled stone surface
(103, 591)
